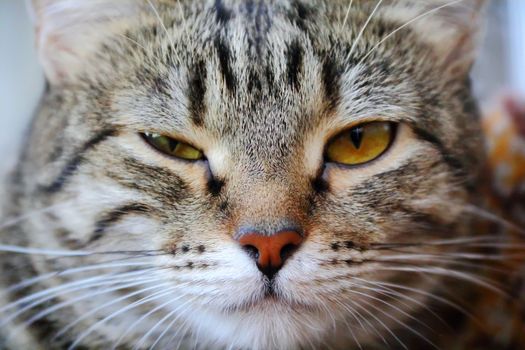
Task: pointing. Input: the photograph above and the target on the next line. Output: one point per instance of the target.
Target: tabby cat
(258, 174)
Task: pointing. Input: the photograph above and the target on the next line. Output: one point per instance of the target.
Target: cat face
(258, 93)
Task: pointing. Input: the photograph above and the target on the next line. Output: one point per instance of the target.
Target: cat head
(258, 157)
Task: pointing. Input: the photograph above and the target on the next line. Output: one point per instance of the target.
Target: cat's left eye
(360, 144)
(172, 147)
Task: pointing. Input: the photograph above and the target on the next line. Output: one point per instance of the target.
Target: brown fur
(260, 87)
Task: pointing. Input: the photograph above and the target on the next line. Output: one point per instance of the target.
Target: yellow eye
(360, 144)
(173, 147)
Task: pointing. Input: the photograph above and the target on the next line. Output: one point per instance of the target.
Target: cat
(277, 174)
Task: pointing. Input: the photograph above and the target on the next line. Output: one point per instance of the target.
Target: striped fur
(259, 86)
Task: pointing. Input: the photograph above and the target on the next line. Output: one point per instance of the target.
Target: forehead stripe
(330, 75)
(294, 63)
(222, 14)
(196, 92)
(224, 54)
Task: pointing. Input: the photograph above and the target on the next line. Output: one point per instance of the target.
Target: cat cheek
(139, 227)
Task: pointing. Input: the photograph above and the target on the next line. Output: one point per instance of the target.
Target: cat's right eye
(172, 147)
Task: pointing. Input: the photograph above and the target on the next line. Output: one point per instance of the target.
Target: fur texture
(260, 87)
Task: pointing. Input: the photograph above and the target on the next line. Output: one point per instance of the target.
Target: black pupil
(356, 135)
(157, 141)
(172, 144)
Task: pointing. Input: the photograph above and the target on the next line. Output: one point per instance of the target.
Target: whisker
(74, 253)
(455, 242)
(493, 217)
(112, 302)
(346, 15)
(448, 273)
(36, 303)
(363, 29)
(143, 317)
(165, 30)
(88, 295)
(185, 329)
(378, 320)
(148, 333)
(10, 222)
(513, 246)
(388, 304)
(391, 291)
(351, 311)
(323, 305)
(358, 316)
(142, 301)
(405, 25)
(470, 256)
(133, 41)
(188, 304)
(98, 266)
(482, 241)
(48, 293)
(401, 323)
(184, 21)
(429, 295)
(36, 251)
(143, 339)
(444, 260)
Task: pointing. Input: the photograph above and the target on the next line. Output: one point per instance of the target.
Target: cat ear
(452, 28)
(67, 31)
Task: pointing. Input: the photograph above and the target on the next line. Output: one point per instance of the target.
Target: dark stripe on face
(159, 183)
(76, 161)
(449, 159)
(268, 73)
(294, 63)
(224, 54)
(320, 185)
(215, 186)
(300, 16)
(161, 86)
(254, 83)
(115, 216)
(424, 221)
(197, 92)
(222, 14)
(331, 83)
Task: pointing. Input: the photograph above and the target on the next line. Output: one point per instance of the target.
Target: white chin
(269, 324)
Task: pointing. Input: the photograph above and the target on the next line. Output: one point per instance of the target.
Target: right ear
(67, 31)
(451, 28)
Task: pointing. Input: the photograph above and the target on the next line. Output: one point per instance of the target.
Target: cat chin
(267, 324)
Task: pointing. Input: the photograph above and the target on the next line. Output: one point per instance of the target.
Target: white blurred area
(501, 66)
(21, 79)
(516, 27)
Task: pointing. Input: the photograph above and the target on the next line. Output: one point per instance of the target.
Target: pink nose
(271, 251)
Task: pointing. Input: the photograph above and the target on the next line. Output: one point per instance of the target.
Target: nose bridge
(270, 218)
(270, 206)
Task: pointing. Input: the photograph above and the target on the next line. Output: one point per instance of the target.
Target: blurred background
(500, 68)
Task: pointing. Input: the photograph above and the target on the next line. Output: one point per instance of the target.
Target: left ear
(67, 31)
(452, 28)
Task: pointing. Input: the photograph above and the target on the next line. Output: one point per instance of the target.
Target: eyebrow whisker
(363, 29)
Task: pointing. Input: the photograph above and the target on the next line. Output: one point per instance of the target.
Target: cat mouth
(269, 301)
(271, 298)
(269, 289)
